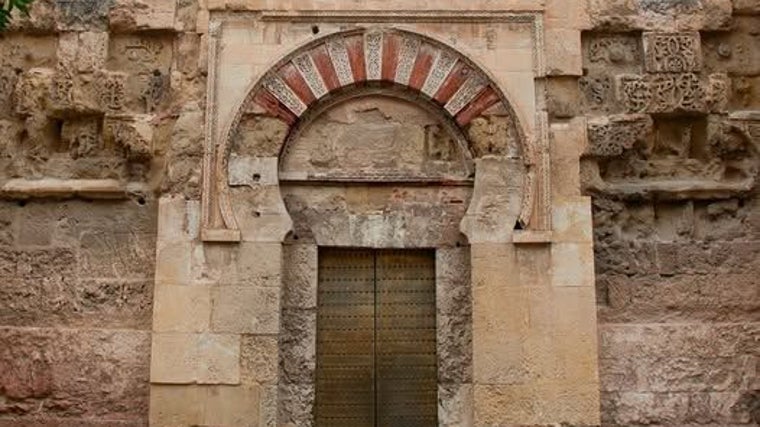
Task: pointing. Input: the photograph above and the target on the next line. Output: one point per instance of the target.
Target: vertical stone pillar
(217, 309)
(534, 316)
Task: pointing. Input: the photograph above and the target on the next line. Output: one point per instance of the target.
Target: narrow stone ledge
(745, 115)
(677, 190)
(64, 188)
(531, 237)
(220, 235)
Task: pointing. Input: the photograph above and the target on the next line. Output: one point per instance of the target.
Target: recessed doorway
(376, 338)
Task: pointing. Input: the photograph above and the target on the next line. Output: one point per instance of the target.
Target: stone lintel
(63, 188)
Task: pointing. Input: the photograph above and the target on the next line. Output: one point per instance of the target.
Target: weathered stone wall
(100, 108)
(105, 99)
(76, 293)
(672, 164)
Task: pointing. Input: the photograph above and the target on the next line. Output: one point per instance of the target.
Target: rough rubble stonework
(128, 299)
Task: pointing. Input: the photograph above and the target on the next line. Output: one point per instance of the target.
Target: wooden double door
(376, 338)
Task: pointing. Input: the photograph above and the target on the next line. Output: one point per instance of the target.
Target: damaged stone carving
(672, 53)
(662, 93)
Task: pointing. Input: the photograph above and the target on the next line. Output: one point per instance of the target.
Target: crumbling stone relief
(672, 163)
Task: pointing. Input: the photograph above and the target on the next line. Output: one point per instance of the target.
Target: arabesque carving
(672, 53)
(611, 136)
(666, 93)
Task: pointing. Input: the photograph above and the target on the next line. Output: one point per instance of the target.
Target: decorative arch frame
(334, 64)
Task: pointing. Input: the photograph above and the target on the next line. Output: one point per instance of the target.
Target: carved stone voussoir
(611, 136)
(662, 93)
(672, 52)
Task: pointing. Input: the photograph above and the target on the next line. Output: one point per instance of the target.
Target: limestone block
(631, 408)
(260, 264)
(59, 299)
(572, 264)
(454, 348)
(178, 219)
(215, 264)
(262, 227)
(455, 405)
(665, 93)
(569, 403)
(178, 358)
(48, 363)
(698, 297)
(453, 275)
(268, 406)
(111, 90)
(534, 265)
(672, 52)
(260, 136)
(260, 212)
(500, 325)
(202, 21)
(496, 200)
(32, 90)
(252, 310)
(624, 15)
(746, 7)
(494, 264)
(575, 315)
(175, 405)
(611, 136)
(572, 221)
(298, 337)
(568, 141)
(133, 133)
(232, 406)
(505, 405)
(174, 263)
(186, 15)
(567, 14)
(563, 52)
(259, 357)
(82, 137)
(297, 406)
(253, 171)
(77, 15)
(563, 97)
(181, 308)
(117, 254)
(138, 15)
(84, 52)
(299, 276)
(41, 19)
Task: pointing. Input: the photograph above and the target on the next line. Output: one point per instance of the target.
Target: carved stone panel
(672, 53)
(662, 93)
(611, 136)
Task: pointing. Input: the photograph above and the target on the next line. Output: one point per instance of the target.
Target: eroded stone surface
(117, 90)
